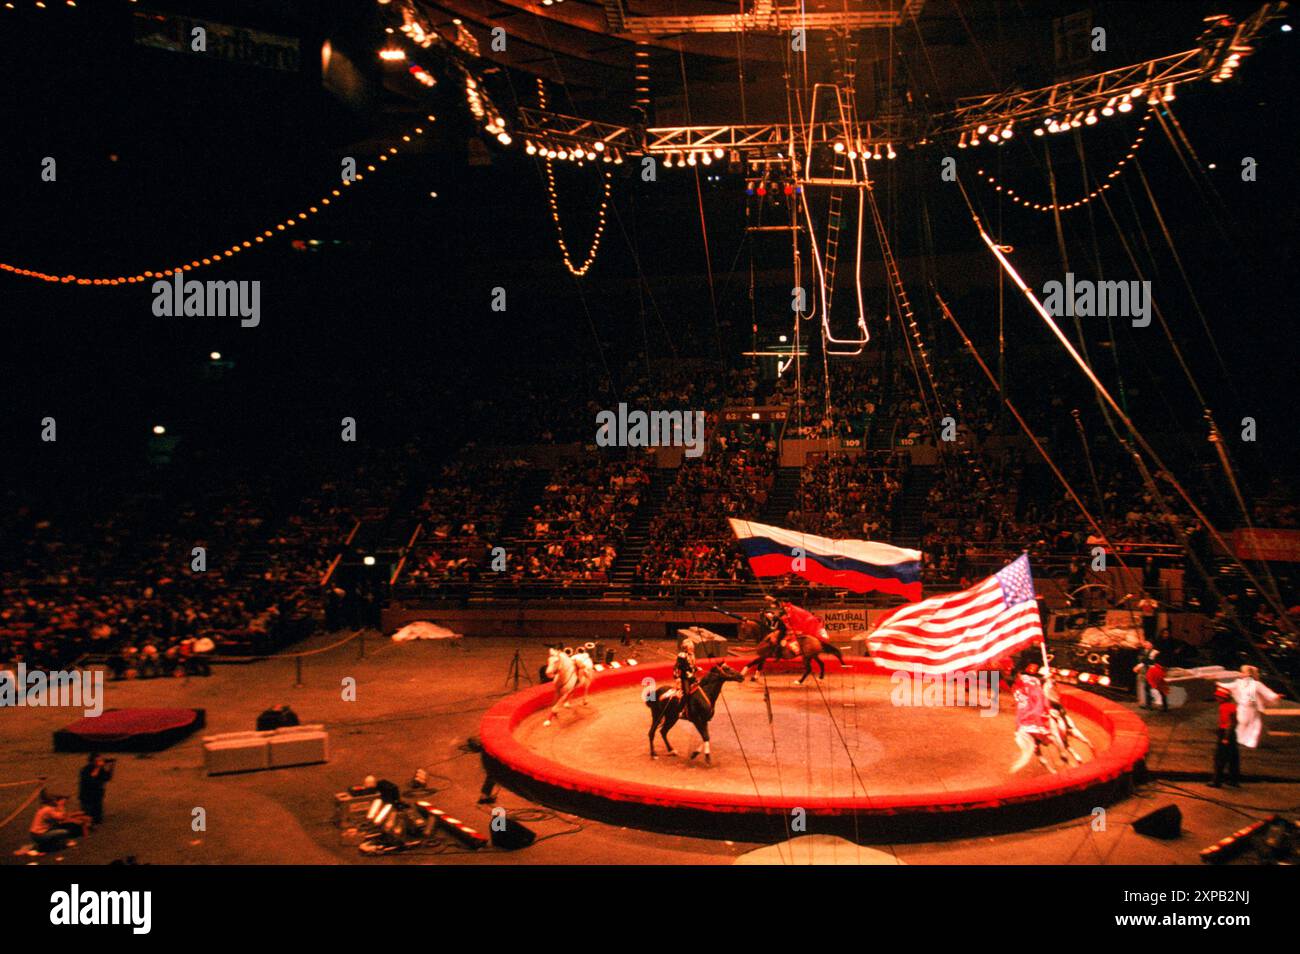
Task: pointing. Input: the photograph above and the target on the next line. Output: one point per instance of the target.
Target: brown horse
(769, 647)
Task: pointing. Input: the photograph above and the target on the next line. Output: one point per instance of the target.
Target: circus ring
(857, 765)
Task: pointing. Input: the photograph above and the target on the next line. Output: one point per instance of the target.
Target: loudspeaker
(512, 836)
(1164, 822)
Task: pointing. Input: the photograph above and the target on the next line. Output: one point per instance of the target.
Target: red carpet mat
(129, 730)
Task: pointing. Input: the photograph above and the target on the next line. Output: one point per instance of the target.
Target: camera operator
(95, 776)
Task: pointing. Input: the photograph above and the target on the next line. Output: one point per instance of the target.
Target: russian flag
(857, 565)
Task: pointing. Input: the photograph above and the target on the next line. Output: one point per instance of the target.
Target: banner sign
(164, 31)
(843, 619)
(1261, 544)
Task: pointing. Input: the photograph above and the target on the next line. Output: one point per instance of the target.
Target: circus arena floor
(418, 704)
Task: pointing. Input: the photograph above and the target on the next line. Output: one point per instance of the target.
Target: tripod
(517, 671)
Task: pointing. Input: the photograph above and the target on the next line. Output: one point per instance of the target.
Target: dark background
(164, 157)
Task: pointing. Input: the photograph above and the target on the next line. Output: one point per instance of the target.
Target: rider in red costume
(797, 622)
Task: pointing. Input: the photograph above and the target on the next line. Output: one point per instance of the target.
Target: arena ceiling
(710, 57)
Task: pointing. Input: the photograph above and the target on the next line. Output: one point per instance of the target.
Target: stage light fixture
(1091, 118)
(981, 129)
(368, 560)
(159, 429)
(1109, 108)
(1125, 104)
(1169, 92)
(961, 142)
(839, 147)
(1038, 130)
(691, 160)
(718, 152)
(215, 355)
(598, 146)
(1006, 131)
(891, 153)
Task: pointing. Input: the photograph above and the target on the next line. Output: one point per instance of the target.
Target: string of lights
(553, 199)
(292, 221)
(1020, 200)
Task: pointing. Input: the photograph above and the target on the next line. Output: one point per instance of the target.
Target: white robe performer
(1252, 698)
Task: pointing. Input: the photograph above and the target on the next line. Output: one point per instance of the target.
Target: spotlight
(1125, 105)
(1169, 92)
(503, 137)
(1109, 108)
(1091, 118)
(368, 560)
(1038, 130)
(961, 143)
(839, 147)
(891, 153)
(691, 160)
(215, 355)
(718, 152)
(981, 129)
(706, 158)
(159, 429)
(1136, 92)
(1006, 131)
(598, 146)
(530, 149)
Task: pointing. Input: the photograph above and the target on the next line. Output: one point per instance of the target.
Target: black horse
(666, 707)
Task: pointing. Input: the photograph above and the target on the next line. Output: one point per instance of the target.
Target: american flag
(962, 630)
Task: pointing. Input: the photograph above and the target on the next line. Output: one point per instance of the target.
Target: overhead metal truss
(1220, 51)
(764, 16)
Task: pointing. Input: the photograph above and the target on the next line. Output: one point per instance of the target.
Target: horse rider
(1031, 718)
(685, 669)
(797, 621)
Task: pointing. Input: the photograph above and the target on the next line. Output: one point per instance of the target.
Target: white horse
(1062, 726)
(568, 671)
(586, 670)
